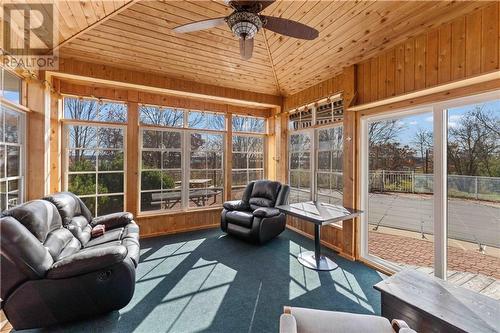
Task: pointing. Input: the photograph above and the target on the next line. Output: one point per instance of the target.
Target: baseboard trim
(179, 231)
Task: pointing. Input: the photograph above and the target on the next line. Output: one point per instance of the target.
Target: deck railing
(471, 187)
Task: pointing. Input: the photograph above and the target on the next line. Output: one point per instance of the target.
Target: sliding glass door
(400, 193)
(431, 189)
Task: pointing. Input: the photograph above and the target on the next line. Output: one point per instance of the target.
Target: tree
(474, 144)
(423, 142)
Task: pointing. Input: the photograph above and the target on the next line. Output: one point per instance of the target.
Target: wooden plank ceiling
(141, 37)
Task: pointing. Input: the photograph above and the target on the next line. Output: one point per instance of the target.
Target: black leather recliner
(255, 217)
(53, 271)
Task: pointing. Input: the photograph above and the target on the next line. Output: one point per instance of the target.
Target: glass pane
(255, 161)
(173, 117)
(112, 112)
(255, 174)
(110, 160)
(110, 183)
(110, 137)
(80, 108)
(11, 87)
(305, 161)
(294, 178)
(81, 160)
(151, 180)
(150, 115)
(240, 143)
(474, 191)
(172, 160)
(400, 213)
(82, 136)
(214, 160)
(172, 140)
(204, 120)
(198, 160)
(82, 184)
(151, 139)
(171, 179)
(2, 161)
(324, 162)
(109, 204)
(11, 126)
(240, 178)
(151, 160)
(249, 124)
(90, 202)
(240, 161)
(3, 195)
(13, 161)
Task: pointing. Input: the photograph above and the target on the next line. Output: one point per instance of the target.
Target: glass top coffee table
(320, 214)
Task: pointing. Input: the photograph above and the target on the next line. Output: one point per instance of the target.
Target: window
(11, 158)
(300, 148)
(161, 170)
(89, 109)
(180, 168)
(329, 165)
(248, 162)
(206, 177)
(11, 86)
(95, 153)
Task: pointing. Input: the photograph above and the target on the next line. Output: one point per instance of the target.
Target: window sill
(177, 212)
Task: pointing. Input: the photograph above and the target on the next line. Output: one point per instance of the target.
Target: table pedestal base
(308, 259)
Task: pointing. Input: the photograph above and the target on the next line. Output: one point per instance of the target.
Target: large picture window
(300, 147)
(180, 168)
(95, 153)
(11, 158)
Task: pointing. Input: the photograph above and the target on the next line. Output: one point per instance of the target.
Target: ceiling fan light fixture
(244, 25)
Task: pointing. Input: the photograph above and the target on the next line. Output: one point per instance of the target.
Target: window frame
(22, 126)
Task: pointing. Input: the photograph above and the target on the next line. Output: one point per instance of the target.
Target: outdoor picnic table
(198, 196)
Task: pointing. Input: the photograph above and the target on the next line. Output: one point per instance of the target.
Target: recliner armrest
(235, 205)
(112, 221)
(266, 212)
(86, 261)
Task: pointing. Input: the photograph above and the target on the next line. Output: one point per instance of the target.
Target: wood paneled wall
(463, 48)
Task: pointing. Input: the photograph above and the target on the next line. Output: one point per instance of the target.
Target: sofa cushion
(240, 218)
(38, 216)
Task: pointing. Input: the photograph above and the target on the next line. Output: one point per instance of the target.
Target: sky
(414, 123)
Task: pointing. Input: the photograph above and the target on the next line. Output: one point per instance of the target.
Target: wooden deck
(476, 282)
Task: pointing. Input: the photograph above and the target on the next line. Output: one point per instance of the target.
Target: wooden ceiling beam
(97, 73)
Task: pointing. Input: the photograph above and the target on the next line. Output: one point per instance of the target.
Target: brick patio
(419, 252)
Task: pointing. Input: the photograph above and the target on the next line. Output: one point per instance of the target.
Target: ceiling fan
(245, 21)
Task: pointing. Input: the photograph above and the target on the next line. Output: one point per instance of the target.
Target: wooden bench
(429, 304)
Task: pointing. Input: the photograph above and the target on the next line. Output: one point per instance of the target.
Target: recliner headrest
(40, 217)
(266, 189)
(69, 206)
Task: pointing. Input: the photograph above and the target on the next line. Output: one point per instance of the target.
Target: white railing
(472, 187)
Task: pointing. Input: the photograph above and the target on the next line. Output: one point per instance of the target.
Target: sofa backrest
(76, 217)
(264, 194)
(33, 238)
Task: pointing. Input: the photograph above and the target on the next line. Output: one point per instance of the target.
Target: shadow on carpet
(207, 281)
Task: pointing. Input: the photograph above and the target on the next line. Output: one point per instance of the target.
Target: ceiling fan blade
(200, 25)
(290, 28)
(246, 48)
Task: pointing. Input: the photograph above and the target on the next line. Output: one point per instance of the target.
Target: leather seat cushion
(127, 236)
(243, 219)
(264, 194)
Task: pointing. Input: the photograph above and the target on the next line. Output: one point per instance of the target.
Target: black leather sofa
(255, 217)
(54, 271)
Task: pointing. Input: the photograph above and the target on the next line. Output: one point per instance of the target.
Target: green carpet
(209, 282)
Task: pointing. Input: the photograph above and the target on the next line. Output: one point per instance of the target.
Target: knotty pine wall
(460, 49)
